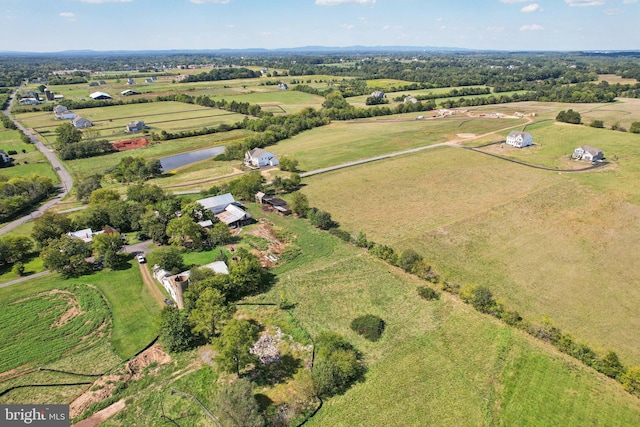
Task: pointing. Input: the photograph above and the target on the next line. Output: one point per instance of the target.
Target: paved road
(24, 279)
(66, 182)
(142, 247)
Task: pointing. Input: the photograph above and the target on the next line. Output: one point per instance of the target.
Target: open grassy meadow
(132, 307)
(110, 122)
(544, 243)
(341, 142)
(438, 363)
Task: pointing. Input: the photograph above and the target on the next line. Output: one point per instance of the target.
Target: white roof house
(219, 267)
(519, 139)
(128, 92)
(217, 204)
(100, 95)
(258, 158)
(86, 234)
(378, 94)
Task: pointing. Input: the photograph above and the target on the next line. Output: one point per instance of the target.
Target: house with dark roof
(378, 94)
(81, 123)
(5, 159)
(588, 153)
(277, 204)
(519, 139)
(135, 126)
(258, 158)
(130, 81)
(283, 86)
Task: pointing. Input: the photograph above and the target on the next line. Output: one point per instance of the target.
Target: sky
(59, 25)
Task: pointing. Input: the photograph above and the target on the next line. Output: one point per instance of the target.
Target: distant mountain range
(293, 50)
(325, 50)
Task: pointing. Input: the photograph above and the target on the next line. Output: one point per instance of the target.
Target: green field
(438, 363)
(66, 328)
(525, 233)
(340, 142)
(110, 122)
(133, 309)
(33, 162)
(81, 168)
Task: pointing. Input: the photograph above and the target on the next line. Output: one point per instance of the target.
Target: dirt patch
(130, 144)
(266, 231)
(101, 416)
(103, 388)
(144, 359)
(466, 135)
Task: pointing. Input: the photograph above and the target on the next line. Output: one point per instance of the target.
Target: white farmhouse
(258, 158)
(519, 139)
(588, 154)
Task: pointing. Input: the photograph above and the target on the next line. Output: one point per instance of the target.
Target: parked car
(141, 259)
(169, 301)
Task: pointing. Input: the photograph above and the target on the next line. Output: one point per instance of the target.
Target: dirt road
(151, 284)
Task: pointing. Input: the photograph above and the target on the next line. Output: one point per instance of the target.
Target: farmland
(461, 210)
(109, 122)
(437, 361)
(557, 247)
(132, 308)
(341, 142)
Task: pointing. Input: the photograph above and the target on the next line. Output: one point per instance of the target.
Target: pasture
(133, 310)
(439, 362)
(340, 142)
(32, 162)
(81, 168)
(545, 244)
(110, 122)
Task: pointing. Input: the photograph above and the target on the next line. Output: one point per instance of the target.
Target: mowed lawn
(543, 243)
(134, 311)
(341, 142)
(437, 363)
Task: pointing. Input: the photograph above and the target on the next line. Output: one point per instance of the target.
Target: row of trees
(20, 193)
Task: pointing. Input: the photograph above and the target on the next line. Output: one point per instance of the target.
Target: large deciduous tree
(175, 330)
(106, 246)
(67, 256)
(210, 309)
(67, 134)
(234, 344)
(50, 226)
(168, 258)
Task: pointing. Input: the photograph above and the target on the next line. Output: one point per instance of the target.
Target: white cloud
(69, 16)
(497, 29)
(513, 1)
(210, 1)
(611, 12)
(533, 7)
(348, 26)
(629, 1)
(532, 27)
(339, 2)
(106, 1)
(582, 3)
